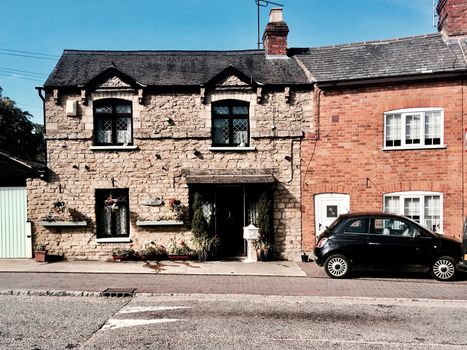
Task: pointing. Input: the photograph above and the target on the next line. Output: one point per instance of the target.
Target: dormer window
(230, 124)
(112, 120)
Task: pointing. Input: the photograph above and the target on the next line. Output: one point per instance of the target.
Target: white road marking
(121, 323)
(130, 310)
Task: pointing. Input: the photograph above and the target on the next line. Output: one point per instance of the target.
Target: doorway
(230, 220)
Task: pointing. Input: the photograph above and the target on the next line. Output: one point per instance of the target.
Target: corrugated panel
(13, 216)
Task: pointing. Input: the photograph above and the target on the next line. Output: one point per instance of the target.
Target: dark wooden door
(230, 220)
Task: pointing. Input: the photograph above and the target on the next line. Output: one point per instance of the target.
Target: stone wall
(156, 167)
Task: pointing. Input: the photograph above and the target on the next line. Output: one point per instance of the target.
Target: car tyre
(337, 266)
(444, 269)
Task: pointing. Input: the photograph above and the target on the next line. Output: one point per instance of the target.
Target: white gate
(15, 231)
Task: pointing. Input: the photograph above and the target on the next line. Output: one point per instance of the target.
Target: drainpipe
(39, 92)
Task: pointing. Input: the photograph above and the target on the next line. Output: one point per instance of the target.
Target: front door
(328, 207)
(230, 220)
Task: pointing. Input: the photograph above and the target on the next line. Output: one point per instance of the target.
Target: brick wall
(349, 150)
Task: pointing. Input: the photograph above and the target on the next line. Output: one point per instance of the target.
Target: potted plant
(305, 257)
(180, 251)
(123, 254)
(40, 253)
(154, 252)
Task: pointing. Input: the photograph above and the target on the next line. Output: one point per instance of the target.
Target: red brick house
(390, 128)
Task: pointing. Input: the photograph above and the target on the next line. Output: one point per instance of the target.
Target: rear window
(358, 226)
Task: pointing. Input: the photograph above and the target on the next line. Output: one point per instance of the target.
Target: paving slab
(231, 268)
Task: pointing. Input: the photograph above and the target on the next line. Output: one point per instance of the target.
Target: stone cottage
(132, 135)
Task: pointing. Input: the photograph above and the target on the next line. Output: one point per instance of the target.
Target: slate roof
(392, 58)
(173, 68)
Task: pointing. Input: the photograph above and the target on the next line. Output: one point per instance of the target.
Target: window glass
(432, 213)
(112, 120)
(104, 109)
(230, 124)
(221, 110)
(112, 213)
(123, 109)
(358, 226)
(412, 208)
(240, 110)
(393, 130)
(423, 208)
(412, 129)
(221, 131)
(433, 128)
(391, 204)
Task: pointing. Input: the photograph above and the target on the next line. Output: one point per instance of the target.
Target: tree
(19, 136)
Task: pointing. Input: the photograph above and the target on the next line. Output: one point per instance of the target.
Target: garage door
(15, 237)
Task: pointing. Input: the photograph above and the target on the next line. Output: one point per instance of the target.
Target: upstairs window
(414, 128)
(425, 208)
(230, 124)
(112, 120)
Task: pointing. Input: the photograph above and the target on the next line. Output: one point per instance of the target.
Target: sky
(34, 33)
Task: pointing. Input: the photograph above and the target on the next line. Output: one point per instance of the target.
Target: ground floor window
(112, 213)
(425, 208)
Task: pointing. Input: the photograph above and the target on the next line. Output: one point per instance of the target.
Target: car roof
(373, 213)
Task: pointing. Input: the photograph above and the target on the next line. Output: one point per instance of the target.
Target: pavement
(231, 268)
(281, 278)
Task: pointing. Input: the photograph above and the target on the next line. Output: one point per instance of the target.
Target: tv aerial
(263, 3)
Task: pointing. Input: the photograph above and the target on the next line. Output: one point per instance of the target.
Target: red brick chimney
(275, 34)
(452, 17)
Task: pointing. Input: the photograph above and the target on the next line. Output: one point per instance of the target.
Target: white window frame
(421, 196)
(408, 112)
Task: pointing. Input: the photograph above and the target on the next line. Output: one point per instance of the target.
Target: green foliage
(263, 220)
(198, 224)
(19, 136)
(201, 238)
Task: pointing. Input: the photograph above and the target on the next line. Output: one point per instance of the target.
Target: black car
(462, 266)
(363, 241)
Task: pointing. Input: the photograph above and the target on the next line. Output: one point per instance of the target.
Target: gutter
(394, 79)
(39, 92)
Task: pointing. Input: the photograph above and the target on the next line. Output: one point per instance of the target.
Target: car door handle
(374, 243)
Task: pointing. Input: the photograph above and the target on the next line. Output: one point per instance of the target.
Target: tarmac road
(230, 322)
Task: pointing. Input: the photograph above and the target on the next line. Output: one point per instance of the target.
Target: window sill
(63, 223)
(160, 223)
(114, 240)
(113, 148)
(419, 148)
(232, 149)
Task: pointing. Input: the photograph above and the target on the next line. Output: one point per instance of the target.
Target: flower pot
(305, 258)
(178, 257)
(119, 257)
(40, 255)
